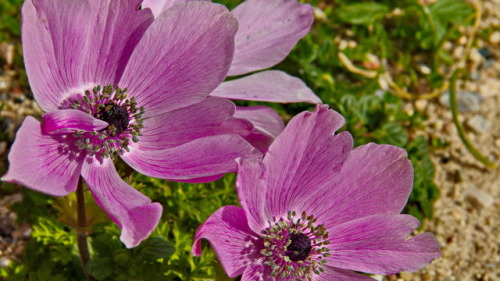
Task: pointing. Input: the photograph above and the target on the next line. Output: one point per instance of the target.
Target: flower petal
(131, 210)
(159, 6)
(270, 86)
(249, 132)
(251, 186)
(117, 27)
(379, 244)
(263, 118)
(337, 274)
(183, 56)
(268, 30)
(183, 125)
(232, 240)
(70, 120)
(54, 35)
(304, 156)
(375, 179)
(258, 272)
(200, 158)
(42, 162)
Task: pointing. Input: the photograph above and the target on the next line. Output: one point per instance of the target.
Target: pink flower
(267, 32)
(316, 209)
(156, 115)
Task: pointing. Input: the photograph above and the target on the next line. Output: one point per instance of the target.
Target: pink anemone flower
(114, 81)
(316, 209)
(267, 32)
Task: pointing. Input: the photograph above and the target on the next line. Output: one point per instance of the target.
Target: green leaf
(362, 13)
(154, 248)
(100, 267)
(452, 11)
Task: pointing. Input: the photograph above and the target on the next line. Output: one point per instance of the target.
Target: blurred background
(386, 65)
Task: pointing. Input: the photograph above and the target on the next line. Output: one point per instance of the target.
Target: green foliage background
(401, 41)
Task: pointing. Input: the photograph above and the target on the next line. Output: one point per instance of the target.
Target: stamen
(109, 104)
(294, 247)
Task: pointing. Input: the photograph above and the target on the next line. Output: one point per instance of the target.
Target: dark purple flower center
(299, 248)
(116, 116)
(295, 247)
(122, 114)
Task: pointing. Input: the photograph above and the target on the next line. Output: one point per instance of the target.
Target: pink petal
(128, 208)
(43, 163)
(337, 274)
(70, 120)
(375, 179)
(258, 272)
(183, 56)
(117, 27)
(263, 118)
(249, 132)
(200, 158)
(54, 36)
(159, 6)
(304, 156)
(270, 86)
(234, 243)
(251, 185)
(183, 125)
(379, 244)
(268, 30)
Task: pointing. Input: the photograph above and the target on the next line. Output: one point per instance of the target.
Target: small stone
(479, 198)
(4, 262)
(495, 37)
(479, 124)
(421, 104)
(3, 147)
(407, 276)
(467, 101)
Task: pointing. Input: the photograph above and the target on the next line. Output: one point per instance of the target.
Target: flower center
(109, 104)
(299, 248)
(116, 116)
(295, 247)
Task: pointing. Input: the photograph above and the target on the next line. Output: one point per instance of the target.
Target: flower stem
(81, 231)
(461, 131)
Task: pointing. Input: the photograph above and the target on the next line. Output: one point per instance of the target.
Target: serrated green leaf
(362, 13)
(154, 248)
(100, 267)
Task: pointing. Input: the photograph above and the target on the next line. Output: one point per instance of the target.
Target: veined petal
(70, 120)
(264, 119)
(183, 56)
(304, 156)
(131, 210)
(268, 31)
(159, 6)
(204, 157)
(257, 272)
(232, 240)
(251, 186)
(186, 124)
(337, 274)
(270, 86)
(249, 132)
(43, 163)
(117, 27)
(54, 35)
(375, 179)
(379, 244)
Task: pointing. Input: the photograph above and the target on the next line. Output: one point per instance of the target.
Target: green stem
(463, 136)
(83, 247)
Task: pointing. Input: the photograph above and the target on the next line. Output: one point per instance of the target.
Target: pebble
(4, 262)
(3, 147)
(479, 198)
(467, 101)
(479, 124)
(495, 37)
